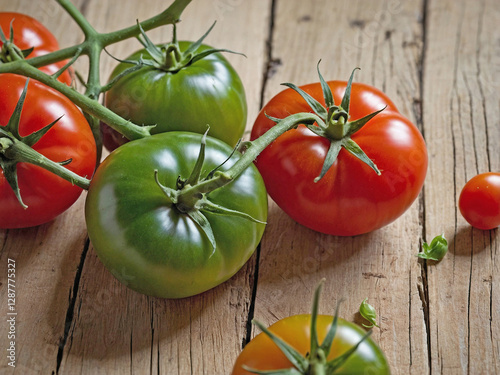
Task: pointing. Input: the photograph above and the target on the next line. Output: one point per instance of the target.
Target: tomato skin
(262, 354)
(208, 92)
(351, 198)
(46, 194)
(479, 201)
(145, 241)
(28, 33)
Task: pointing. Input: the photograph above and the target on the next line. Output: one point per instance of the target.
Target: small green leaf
(436, 250)
(337, 362)
(154, 51)
(205, 205)
(68, 64)
(169, 192)
(194, 178)
(13, 124)
(3, 38)
(354, 149)
(205, 226)
(331, 156)
(10, 172)
(211, 51)
(354, 126)
(34, 137)
(347, 95)
(291, 353)
(194, 46)
(327, 343)
(314, 317)
(316, 106)
(212, 172)
(327, 92)
(26, 52)
(273, 119)
(368, 312)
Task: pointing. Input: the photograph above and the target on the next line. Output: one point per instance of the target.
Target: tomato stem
(254, 148)
(91, 106)
(316, 362)
(22, 153)
(92, 46)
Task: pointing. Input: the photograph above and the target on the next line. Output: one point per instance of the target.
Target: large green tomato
(151, 246)
(206, 92)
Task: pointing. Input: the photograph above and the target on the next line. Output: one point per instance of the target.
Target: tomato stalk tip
(335, 125)
(315, 362)
(191, 195)
(169, 57)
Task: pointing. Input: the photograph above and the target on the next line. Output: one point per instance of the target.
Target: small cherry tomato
(479, 201)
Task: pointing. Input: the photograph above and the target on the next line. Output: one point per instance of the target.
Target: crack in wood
(368, 275)
(423, 292)
(271, 62)
(70, 312)
(4, 242)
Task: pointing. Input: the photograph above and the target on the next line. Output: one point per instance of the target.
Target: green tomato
(206, 92)
(146, 241)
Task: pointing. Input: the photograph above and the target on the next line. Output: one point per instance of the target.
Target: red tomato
(45, 194)
(28, 33)
(351, 198)
(479, 201)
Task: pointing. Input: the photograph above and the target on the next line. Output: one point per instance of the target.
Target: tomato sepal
(15, 148)
(192, 200)
(335, 125)
(170, 58)
(315, 362)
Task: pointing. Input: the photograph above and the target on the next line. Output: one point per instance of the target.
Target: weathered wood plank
(384, 39)
(461, 126)
(47, 259)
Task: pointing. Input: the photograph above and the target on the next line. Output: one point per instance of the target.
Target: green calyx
(169, 57)
(368, 312)
(335, 124)
(191, 196)
(15, 149)
(315, 362)
(436, 250)
(9, 51)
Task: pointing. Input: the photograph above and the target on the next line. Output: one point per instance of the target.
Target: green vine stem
(24, 153)
(253, 149)
(86, 103)
(92, 46)
(321, 121)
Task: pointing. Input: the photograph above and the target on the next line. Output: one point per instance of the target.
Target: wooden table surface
(439, 60)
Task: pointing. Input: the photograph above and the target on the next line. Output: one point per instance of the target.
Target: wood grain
(439, 60)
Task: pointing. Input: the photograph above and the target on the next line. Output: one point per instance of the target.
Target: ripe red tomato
(45, 194)
(30, 33)
(351, 198)
(479, 201)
